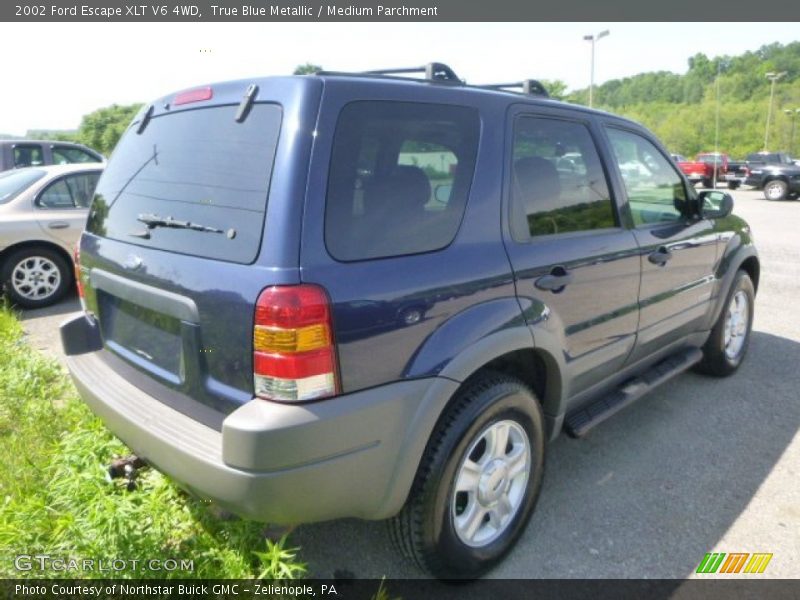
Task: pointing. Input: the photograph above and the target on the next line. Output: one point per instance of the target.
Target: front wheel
(478, 481)
(727, 345)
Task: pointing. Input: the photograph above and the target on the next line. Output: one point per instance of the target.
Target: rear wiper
(152, 221)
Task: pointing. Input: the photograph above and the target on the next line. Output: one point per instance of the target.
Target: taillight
(294, 355)
(77, 262)
(195, 95)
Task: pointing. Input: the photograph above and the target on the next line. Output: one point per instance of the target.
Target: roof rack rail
(529, 87)
(433, 71)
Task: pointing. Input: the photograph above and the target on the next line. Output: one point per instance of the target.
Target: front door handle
(555, 281)
(58, 225)
(660, 257)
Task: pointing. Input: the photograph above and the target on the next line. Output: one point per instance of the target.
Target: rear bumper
(352, 456)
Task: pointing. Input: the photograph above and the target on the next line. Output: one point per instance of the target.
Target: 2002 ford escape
(378, 296)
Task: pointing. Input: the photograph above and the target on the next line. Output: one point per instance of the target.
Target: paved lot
(700, 465)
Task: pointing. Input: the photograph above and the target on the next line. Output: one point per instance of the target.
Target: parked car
(245, 328)
(775, 173)
(42, 214)
(18, 154)
(707, 168)
(678, 158)
(736, 173)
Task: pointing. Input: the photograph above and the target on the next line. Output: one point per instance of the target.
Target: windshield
(195, 166)
(14, 182)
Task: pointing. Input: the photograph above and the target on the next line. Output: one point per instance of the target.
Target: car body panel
(23, 221)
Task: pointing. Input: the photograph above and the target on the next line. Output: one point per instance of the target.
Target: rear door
(573, 259)
(62, 206)
(678, 250)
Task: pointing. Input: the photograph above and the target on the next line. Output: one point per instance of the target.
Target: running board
(581, 421)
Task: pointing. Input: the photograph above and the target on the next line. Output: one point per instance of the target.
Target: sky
(70, 69)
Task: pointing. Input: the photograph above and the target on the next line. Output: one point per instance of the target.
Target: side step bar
(577, 424)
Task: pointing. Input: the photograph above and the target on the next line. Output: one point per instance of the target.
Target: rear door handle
(660, 257)
(555, 281)
(58, 225)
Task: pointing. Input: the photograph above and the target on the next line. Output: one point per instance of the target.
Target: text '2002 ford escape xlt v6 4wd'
(376, 296)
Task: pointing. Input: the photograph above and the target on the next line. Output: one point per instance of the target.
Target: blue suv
(378, 295)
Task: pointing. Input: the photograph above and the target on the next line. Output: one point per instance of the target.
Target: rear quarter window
(399, 178)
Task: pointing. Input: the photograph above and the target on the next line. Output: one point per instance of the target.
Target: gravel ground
(700, 465)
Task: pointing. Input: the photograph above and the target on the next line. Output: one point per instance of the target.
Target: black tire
(708, 183)
(733, 185)
(425, 529)
(53, 260)
(776, 189)
(716, 361)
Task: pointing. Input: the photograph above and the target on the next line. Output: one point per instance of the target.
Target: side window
(69, 192)
(558, 181)
(28, 155)
(656, 193)
(63, 155)
(399, 178)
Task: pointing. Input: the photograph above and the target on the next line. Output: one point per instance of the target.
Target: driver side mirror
(714, 205)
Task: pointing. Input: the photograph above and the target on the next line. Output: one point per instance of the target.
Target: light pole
(793, 116)
(593, 39)
(773, 77)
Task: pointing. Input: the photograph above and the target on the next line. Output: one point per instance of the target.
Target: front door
(678, 249)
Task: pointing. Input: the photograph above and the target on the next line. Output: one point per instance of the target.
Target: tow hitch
(127, 468)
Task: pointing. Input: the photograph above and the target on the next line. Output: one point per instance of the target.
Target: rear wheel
(727, 345)
(36, 277)
(708, 183)
(478, 480)
(777, 189)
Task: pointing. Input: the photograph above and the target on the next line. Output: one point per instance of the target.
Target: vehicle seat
(537, 185)
(398, 198)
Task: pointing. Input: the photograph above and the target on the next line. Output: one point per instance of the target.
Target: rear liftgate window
(194, 182)
(399, 178)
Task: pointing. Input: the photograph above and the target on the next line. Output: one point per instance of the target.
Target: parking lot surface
(700, 465)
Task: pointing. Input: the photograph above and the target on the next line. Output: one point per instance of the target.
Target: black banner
(393, 10)
(407, 589)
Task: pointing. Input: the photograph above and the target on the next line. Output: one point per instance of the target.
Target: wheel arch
(510, 351)
(6, 252)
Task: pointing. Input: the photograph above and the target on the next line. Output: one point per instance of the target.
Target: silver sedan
(43, 211)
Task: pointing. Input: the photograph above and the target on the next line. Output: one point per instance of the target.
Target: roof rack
(434, 71)
(529, 87)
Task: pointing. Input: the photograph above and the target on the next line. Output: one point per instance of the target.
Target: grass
(56, 500)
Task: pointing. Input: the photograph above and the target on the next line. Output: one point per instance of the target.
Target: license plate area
(147, 338)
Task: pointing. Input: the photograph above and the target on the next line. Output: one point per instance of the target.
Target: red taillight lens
(196, 95)
(77, 262)
(294, 355)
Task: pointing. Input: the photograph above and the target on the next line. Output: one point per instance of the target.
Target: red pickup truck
(702, 168)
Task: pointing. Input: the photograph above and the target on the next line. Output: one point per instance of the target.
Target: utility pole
(593, 39)
(773, 77)
(793, 114)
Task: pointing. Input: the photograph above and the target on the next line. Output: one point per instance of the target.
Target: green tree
(307, 69)
(556, 88)
(102, 128)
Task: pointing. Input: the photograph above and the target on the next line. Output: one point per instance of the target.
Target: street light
(793, 116)
(773, 77)
(593, 39)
